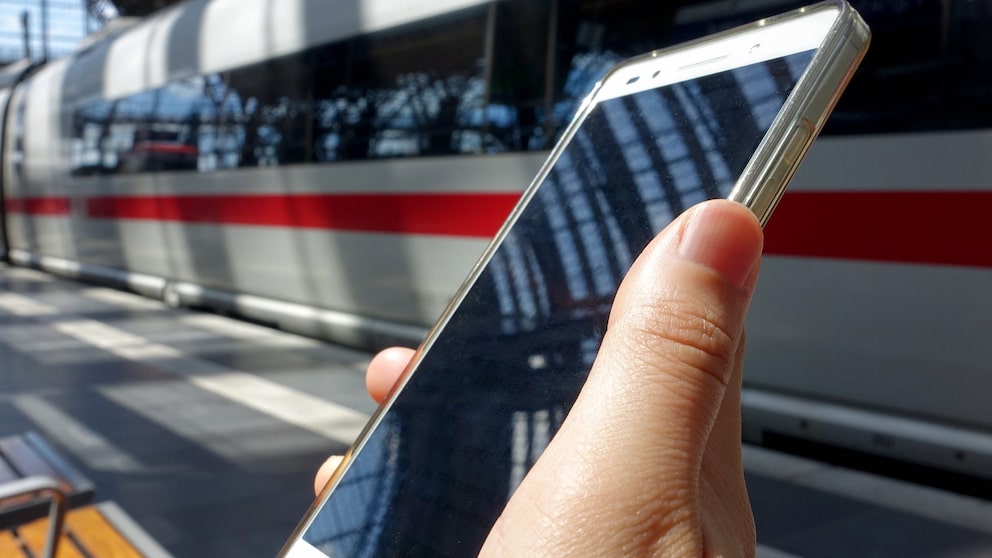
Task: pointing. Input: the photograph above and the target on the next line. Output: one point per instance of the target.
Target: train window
(151, 131)
(418, 91)
(593, 35)
(929, 68)
(518, 98)
(90, 126)
(17, 152)
(421, 90)
(549, 54)
(283, 107)
(214, 137)
(413, 91)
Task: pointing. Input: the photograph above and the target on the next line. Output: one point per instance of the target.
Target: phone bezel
(774, 38)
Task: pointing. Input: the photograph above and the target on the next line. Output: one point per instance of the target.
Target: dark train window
(518, 91)
(414, 91)
(929, 67)
(17, 122)
(421, 90)
(594, 35)
(548, 55)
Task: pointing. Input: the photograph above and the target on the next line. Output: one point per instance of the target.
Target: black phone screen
(500, 378)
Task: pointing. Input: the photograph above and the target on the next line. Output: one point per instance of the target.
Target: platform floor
(207, 431)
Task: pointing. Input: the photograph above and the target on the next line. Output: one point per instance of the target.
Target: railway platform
(207, 431)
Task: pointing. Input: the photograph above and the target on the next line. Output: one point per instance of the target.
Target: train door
(10, 76)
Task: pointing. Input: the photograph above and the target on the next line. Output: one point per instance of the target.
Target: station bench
(102, 530)
(29, 455)
(45, 509)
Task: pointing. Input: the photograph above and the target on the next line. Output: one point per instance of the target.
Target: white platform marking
(342, 424)
(23, 306)
(327, 419)
(93, 449)
(24, 273)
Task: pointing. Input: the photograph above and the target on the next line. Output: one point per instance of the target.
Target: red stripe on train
(164, 147)
(907, 227)
(949, 228)
(472, 215)
(39, 206)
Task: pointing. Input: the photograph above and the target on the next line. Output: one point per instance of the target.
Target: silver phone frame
(760, 186)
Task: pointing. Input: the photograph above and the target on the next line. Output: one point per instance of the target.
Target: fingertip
(721, 235)
(324, 473)
(726, 237)
(385, 368)
(679, 315)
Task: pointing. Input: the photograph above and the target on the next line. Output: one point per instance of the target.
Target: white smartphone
(729, 116)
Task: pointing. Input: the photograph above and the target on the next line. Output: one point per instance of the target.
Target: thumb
(622, 476)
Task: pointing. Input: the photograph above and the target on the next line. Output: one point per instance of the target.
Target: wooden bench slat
(87, 532)
(27, 462)
(33, 535)
(98, 531)
(9, 545)
(29, 454)
(98, 536)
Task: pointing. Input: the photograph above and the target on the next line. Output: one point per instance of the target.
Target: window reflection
(411, 92)
(371, 480)
(17, 153)
(421, 90)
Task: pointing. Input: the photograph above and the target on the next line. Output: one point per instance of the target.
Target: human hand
(648, 461)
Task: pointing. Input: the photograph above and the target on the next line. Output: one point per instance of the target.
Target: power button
(794, 145)
(797, 140)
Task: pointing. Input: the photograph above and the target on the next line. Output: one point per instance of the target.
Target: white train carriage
(336, 168)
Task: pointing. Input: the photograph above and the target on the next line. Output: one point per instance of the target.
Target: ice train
(336, 167)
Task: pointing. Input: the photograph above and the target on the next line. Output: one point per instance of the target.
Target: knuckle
(685, 331)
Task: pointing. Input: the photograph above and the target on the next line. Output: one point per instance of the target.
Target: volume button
(797, 140)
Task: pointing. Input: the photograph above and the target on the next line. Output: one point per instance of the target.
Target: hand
(648, 461)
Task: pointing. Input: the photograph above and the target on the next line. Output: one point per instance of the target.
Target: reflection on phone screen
(501, 377)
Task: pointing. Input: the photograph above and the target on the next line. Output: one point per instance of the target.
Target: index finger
(385, 369)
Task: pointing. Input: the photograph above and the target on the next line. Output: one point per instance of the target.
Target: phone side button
(774, 180)
(797, 140)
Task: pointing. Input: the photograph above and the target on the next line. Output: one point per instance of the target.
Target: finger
(728, 524)
(624, 468)
(382, 373)
(324, 473)
(385, 369)
(676, 328)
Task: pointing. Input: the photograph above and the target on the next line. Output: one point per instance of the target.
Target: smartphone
(729, 116)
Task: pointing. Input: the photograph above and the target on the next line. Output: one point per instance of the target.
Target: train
(335, 168)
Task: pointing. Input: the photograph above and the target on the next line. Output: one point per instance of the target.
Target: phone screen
(497, 383)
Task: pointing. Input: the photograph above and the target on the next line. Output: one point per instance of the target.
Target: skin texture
(648, 461)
